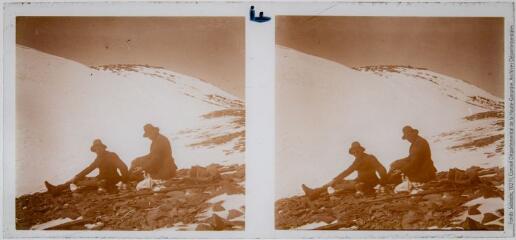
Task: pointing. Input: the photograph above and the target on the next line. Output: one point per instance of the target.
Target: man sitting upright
(159, 163)
(418, 166)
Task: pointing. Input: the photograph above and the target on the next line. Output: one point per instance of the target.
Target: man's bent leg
(400, 164)
(137, 163)
(136, 169)
(394, 176)
(87, 184)
(344, 185)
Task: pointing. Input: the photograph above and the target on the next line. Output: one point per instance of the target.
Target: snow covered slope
(323, 106)
(63, 105)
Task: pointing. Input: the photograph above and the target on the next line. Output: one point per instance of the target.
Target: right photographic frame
(390, 123)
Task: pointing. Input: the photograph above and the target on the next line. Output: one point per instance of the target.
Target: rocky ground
(182, 203)
(456, 200)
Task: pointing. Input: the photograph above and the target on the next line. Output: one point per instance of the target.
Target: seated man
(418, 166)
(366, 166)
(107, 162)
(159, 163)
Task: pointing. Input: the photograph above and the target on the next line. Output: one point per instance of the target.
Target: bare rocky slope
(447, 203)
(183, 203)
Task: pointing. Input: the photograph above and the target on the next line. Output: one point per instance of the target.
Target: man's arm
(346, 172)
(86, 171)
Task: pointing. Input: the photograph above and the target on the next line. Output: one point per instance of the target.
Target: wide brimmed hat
(149, 128)
(97, 143)
(356, 146)
(408, 130)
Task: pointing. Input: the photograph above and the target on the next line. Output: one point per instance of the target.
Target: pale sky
(470, 49)
(209, 48)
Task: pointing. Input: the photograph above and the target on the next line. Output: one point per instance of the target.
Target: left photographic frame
(130, 123)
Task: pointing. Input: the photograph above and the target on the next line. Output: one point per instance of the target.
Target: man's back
(366, 166)
(161, 165)
(421, 168)
(108, 164)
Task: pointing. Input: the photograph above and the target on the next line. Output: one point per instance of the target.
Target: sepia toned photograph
(389, 123)
(130, 123)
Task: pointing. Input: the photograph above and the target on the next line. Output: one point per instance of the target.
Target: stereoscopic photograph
(130, 123)
(389, 123)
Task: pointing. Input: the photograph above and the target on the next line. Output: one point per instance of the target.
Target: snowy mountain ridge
(323, 106)
(454, 88)
(190, 86)
(63, 105)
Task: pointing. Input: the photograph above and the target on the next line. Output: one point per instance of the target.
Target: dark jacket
(420, 166)
(366, 166)
(107, 164)
(159, 163)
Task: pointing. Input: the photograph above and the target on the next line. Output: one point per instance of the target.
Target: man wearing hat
(367, 167)
(108, 164)
(418, 166)
(159, 163)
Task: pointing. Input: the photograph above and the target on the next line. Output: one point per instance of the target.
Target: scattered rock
(409, 219)
(72, 214)
(432, 197)
(231, 189)
(173, 213)
(176, 194)
(204, 227)
(154, 215)
(489, 192)
(327, 218)
(240, 173)
(217, 207)
(96, 226)
(439, 204)
(500, 211)
(488, 217)
(473, 210)
(217, 222)
(470, 224)
(181, 200)
(233, 213)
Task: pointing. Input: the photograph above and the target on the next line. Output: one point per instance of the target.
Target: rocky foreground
(182, 203)
(456, 200)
